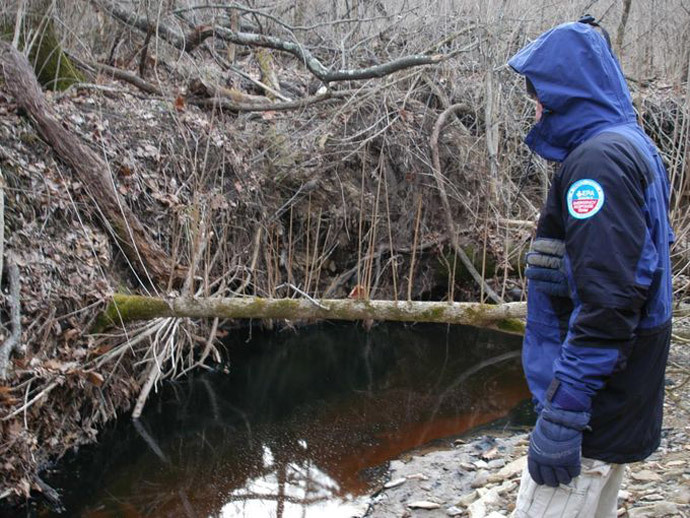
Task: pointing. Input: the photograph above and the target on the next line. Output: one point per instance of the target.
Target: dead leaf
(6, 397)
(70, 334)
(358, 292)
(179, 103)
(95, 378)
(102, 349)
(125, 170)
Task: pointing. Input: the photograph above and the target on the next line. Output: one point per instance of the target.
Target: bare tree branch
(452, 231)
(12, 343)
(120, 74)
(190, 41)
(227, 104)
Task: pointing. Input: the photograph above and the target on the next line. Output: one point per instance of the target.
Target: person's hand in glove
(556, 441)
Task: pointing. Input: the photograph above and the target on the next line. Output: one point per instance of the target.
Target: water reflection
(299, 424)
(299, 490)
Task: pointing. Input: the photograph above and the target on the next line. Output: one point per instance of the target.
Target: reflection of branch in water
(282, 475)
(212, 398)
(367, 365)
(247, 424)
(287, 483)
(446, 357)
(470, 372)
(481, 365)
(186, 505)
(306, 475)
(286, 498)
(150, 441)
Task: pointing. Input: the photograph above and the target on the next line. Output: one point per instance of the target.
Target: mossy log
(268, 70)
(508, 317)
(53, 68)
(127, 308)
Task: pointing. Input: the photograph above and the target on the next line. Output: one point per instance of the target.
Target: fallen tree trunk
(146, 257)
(508, 317)
(128, 308)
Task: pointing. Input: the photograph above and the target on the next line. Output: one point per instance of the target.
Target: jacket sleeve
(608, 250)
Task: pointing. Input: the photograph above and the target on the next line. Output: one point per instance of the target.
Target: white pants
(594, 494)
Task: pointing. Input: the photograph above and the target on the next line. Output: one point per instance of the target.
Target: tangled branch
(187, 42)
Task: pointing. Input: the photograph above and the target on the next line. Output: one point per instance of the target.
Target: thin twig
(14, 340)
(26, 405)
(123, 75)
(410, 277)
(305, 295)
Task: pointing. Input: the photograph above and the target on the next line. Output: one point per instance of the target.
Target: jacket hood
(580, 84)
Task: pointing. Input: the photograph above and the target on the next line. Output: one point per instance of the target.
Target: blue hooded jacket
(599, 298)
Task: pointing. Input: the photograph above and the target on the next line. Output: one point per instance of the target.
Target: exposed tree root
(452, 230)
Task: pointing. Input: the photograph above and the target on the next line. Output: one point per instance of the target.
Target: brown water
(302, 425)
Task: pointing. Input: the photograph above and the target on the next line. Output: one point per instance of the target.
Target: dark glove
(555, 444)
(546, 268)
(553, 282)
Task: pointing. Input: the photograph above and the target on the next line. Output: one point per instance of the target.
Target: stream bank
(479, 477)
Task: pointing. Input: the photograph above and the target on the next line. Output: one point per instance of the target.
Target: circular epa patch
(585, 199)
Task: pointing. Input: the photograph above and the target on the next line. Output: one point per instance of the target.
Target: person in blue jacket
(599, 278)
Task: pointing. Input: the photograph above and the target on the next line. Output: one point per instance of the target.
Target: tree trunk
(300, 12)
(145, 256)
(621, 28)
(128, 308)
(508, 317)
(36, 35)
(234, 27)
(54, 69)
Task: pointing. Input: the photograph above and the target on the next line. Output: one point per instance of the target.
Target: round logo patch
(585, 199)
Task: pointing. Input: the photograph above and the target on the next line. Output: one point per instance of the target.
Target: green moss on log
(54, 70)
(126, 308)
(511, 325)
(433, 314)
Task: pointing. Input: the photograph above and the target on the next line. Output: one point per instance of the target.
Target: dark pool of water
(301, 424)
